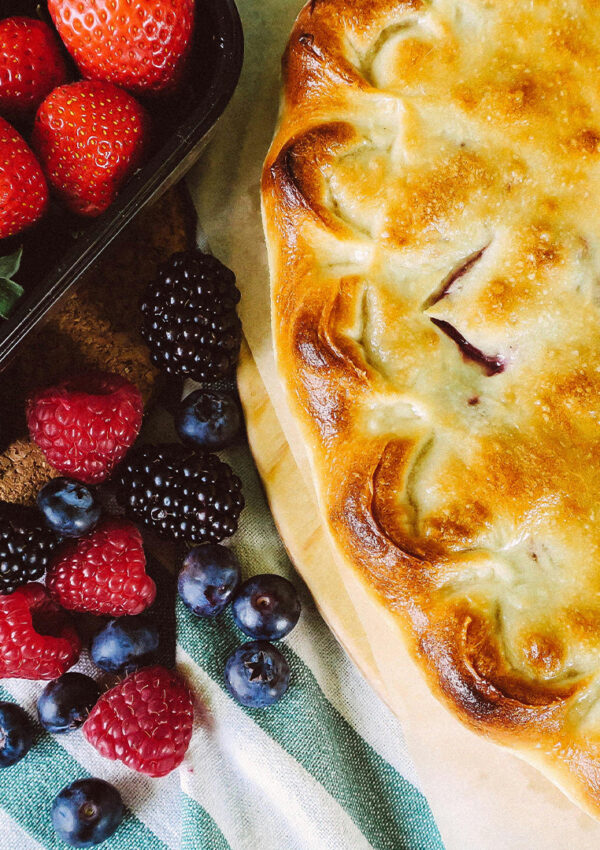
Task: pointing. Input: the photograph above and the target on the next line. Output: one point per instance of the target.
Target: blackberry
(26, 546)
(189, 317)
(181, 494)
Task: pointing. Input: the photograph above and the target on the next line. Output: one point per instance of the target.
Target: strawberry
(103, 572)
(37, 639)
(145, 721)
(90, 138)
(141, 45)
(31, 65)
(23, 188)
(85, 425)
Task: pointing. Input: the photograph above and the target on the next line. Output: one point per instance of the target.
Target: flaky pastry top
(432, 209)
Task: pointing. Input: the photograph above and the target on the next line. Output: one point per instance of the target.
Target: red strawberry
(31, 65)
(37, 639)
(90, 138)
(23, 189)
(145, 721)
(141, 45)
(103, 572)
(85, 425)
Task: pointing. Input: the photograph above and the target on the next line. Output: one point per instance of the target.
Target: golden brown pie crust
(430, 204)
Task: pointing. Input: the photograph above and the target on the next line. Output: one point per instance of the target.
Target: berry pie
(431, 204)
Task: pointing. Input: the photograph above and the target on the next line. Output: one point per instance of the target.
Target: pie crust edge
(326, 378)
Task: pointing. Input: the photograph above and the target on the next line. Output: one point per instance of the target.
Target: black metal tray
(59, 250)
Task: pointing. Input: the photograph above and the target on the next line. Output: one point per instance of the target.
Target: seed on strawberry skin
(90, 137)
(142, 45)
(31, 65)
(23, 187)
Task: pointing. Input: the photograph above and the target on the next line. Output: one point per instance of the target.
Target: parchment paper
(483, 797)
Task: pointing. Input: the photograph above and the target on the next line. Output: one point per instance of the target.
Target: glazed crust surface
(430, 209)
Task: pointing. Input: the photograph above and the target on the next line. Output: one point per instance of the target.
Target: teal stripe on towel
(28, 788)
(199, 830)
(390, 812)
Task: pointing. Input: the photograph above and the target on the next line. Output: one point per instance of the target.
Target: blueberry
(16, 733)
(125, 644)
(209, 578)
(209, 419)
(257, 674)
(267, 607)
(87, 812)
(65, 703)
(69, 508)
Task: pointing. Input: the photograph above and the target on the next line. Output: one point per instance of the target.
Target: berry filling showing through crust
(491, 365)
(455, 275)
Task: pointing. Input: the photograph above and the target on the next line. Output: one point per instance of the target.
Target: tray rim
(166, 166)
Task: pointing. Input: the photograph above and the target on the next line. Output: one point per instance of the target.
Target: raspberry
(37, 638)
(145, 721)
(26, 545)
(85, 425)
(103, 572)
(181, 494)
(190, 320)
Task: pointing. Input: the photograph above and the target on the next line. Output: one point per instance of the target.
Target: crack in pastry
(448, 282)
(491, 364)
(416, 138)
(413, 473)
(367, 60)
(362, 336)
